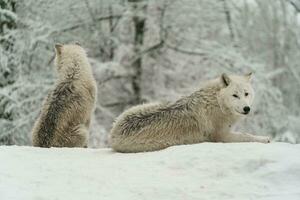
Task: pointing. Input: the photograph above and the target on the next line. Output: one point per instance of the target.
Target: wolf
(206, 115)
(65, 115)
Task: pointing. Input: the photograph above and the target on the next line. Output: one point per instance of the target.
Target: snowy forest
(151, 50)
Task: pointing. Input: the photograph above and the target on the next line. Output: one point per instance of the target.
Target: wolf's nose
(246, 109)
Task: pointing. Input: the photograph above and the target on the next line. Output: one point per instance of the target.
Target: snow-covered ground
(203, 171)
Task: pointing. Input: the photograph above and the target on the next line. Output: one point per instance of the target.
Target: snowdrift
(202, 171)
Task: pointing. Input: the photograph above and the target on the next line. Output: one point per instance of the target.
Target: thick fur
(65, 116)
(205, 116)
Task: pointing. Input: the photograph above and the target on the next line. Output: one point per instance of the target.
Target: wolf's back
(52, 113)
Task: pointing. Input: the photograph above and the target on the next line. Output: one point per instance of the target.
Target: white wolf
(65, 116)
(205, 115)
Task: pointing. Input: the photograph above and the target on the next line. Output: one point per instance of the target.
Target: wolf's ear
(225, 79)
(249, 76)
(77, 43)
(58, 48)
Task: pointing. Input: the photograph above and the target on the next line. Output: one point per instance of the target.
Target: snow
(7, 15)
(202, 171)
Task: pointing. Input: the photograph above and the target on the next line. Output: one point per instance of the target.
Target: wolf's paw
(263, 139)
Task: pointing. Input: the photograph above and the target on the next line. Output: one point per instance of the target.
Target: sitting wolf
(66, 112)
(205, 116)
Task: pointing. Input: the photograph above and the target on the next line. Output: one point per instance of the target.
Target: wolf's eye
(236, 96)
(246, 94)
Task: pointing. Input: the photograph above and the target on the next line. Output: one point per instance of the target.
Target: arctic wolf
(205, 116)
(65, 116)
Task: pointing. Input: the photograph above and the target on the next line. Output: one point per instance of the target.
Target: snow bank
(203, 171)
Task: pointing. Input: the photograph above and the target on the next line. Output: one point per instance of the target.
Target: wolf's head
(236, 95)
(67, 56)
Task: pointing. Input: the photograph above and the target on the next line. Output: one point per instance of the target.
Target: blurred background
(151, 50)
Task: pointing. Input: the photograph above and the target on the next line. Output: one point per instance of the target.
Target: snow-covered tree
(149, 51)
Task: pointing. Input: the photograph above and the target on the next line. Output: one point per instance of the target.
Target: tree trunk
(139, 25)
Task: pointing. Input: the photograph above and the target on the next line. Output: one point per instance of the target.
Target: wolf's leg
(79, 137)
(83, 136)
(242, 137)
(134, 144)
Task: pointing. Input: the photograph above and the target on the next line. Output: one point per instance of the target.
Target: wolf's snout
(246, 109)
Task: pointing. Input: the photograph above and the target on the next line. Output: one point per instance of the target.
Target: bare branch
(90, 10)
(84, 24)
(294, 5)
(184, 51)
(228, 19)
(113, 78)
(148, 50)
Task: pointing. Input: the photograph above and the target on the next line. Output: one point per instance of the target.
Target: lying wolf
(66, 112)
(205, 116)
